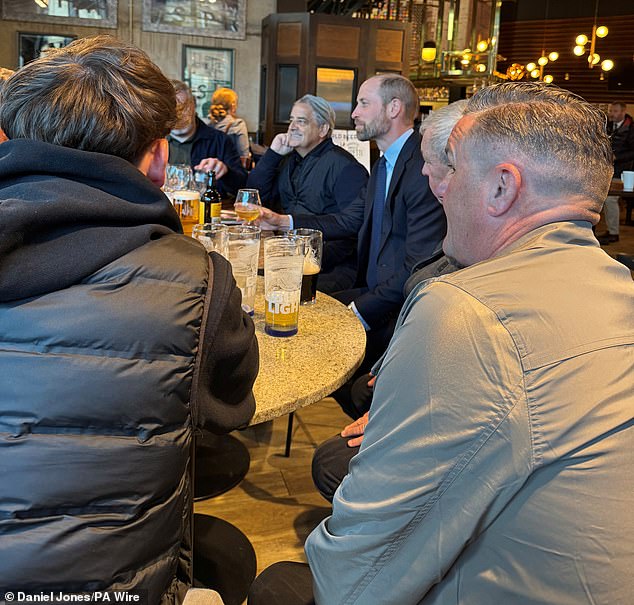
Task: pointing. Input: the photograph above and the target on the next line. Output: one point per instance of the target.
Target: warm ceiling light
(607, 65)
(548, 79)
(428, 52)
(482, 46)
(579, 50)
(530, 66)
(465, 61)
(542, 61)
(581, 39)
(481, 67)
(553, 56)
(594, 59)
(535, 73)
(602, 31)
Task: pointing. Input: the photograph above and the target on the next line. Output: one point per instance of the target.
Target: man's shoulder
(206, 132)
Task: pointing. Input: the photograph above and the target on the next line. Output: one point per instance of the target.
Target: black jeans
(331, 458)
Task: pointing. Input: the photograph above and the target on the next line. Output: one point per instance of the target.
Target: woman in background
(222, 114)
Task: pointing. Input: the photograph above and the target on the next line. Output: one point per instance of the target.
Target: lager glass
(283, 267)
(213, 236)
(313, 246)
(244, 253)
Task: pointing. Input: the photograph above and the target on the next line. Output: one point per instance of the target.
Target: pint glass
(244, 252)
(213, 236)
(283, 267)
(313, 248)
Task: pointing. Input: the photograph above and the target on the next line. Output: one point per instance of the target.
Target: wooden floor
(276, 505)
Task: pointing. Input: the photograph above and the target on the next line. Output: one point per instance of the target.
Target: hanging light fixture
(428, 52)
(582, 41)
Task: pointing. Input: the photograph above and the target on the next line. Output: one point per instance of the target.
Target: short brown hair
(395, 86)
(96, 94)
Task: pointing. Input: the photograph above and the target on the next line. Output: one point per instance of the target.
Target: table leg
(289, 435)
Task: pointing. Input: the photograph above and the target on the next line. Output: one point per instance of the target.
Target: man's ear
(154, 161)
(394, 108)
(323, 131)
(506, 182)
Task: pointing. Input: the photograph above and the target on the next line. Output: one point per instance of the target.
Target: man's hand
(270, 221)
(213, 165)
(356, 430)
(280, 144)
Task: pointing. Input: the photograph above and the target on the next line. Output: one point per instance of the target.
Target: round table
(294, 372)
(299, 370)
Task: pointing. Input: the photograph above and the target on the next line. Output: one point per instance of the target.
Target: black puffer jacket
(103, 375)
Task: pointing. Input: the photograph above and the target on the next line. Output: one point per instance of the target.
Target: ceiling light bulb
(482, 46)
(535, 73)
(542, 61)
(594, 59)
(481, 67)
(548, 79)
(607, 65)
(581, 39)
(578, 50)
(602, 31)
(530, 66)
(553, 56)
(464, 61)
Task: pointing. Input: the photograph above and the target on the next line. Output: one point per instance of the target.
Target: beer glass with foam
(313, 245)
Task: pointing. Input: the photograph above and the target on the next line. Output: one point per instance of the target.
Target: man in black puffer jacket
(118, 335)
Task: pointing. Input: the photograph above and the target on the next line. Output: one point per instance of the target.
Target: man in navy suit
(398, 219)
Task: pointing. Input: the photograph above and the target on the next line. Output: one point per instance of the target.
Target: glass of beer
(244, 254)
(213, 236)
(313, 247)
(248, 204)
(283, 269)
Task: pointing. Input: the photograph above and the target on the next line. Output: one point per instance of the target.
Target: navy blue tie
(377, 222)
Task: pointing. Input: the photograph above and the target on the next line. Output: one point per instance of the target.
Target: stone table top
(299, 370)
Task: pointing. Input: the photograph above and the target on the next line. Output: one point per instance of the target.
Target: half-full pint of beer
(281, 313)
(309, 281)
(283, 262)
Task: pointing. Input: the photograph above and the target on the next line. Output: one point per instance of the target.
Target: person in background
(332, 458)
(495, 464)
(4, 75)
(304, 172)
(398, 219)
(621, 133)
(222, 116)
(203, 147)
(119, 336)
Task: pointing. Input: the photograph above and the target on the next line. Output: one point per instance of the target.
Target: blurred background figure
(203, 147)
(621, 133)
(222, 113)
(5, 74)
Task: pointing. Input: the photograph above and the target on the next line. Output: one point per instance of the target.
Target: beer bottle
(211, 201)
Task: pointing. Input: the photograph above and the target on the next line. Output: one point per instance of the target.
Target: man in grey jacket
(495, 464)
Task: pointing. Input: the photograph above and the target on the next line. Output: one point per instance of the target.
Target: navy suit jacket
(414, 226)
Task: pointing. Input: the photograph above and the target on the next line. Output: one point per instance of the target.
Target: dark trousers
(331, 458)
(283, 583)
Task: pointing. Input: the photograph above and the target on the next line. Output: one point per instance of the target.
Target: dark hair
(96, 94)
